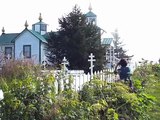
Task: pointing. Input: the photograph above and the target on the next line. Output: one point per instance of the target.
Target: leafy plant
(26, 97)
(119, 102)
(31, 97)
(147, 83)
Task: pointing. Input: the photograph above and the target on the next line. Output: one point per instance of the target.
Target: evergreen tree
(75, 40)
(119, 51)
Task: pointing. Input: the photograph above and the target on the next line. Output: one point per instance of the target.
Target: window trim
(11, 51)
(43, 27)
(29, 51)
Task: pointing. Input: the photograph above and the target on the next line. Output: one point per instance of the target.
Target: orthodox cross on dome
(40, 17)
(26, 24)
(91, 60)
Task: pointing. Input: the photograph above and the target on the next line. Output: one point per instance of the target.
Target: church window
(27, 51)
(43, 27)
(92, 20)
(8, 52)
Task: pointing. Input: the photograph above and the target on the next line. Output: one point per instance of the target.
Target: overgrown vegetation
(34, 97)
(26, 96)
(147, 81)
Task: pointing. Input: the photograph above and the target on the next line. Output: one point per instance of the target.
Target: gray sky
(137, 21)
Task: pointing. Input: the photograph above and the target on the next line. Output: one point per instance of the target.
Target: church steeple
(91, 17)
(40, 26)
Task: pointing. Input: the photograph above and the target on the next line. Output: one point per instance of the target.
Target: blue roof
(8, 38)
(36, 34)
(90, 14)
(107, 41)
(40, 37)
(49, 34)
(40, 22)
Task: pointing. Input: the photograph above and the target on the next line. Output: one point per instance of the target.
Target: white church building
(30, 44)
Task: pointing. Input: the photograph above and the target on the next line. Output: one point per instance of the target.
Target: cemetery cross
(91, 60)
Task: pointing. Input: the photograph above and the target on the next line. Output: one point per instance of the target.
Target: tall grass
(14, 69)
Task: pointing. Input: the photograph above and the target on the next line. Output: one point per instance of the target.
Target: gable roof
(40, 37)
(8, 38)
(36, 34)
(48, 35)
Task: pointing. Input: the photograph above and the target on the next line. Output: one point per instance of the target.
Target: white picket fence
(79, 78)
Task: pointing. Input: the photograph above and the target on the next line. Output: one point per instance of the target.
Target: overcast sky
(137, 21)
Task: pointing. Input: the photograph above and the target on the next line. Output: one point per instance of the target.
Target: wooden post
(110, 55)
(64, 63)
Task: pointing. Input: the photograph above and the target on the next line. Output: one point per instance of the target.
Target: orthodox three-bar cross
(91, 60)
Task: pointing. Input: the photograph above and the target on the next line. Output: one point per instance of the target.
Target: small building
(91, 17)
(110, 55)
(106, 40)
(28, 44)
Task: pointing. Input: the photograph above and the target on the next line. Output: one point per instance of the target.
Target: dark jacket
(124, 73)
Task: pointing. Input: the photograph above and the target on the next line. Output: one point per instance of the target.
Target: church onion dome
(40, 21)
(40, 17)
(3, 30)
(26, 24)
(90, 13)
(40, 26)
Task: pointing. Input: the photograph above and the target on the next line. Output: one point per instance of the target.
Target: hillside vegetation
(29, 95)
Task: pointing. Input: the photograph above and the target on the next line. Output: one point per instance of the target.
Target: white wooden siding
(27, 38)
(43, 56)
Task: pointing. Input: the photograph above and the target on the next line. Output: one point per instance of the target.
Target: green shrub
(147, 82)
(30, 96)
(26, 96)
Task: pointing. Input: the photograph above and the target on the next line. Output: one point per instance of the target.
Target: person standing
(123, 71)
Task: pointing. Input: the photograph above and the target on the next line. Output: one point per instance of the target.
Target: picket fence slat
(80, 78)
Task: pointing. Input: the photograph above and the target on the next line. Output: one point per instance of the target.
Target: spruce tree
(76, 39)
